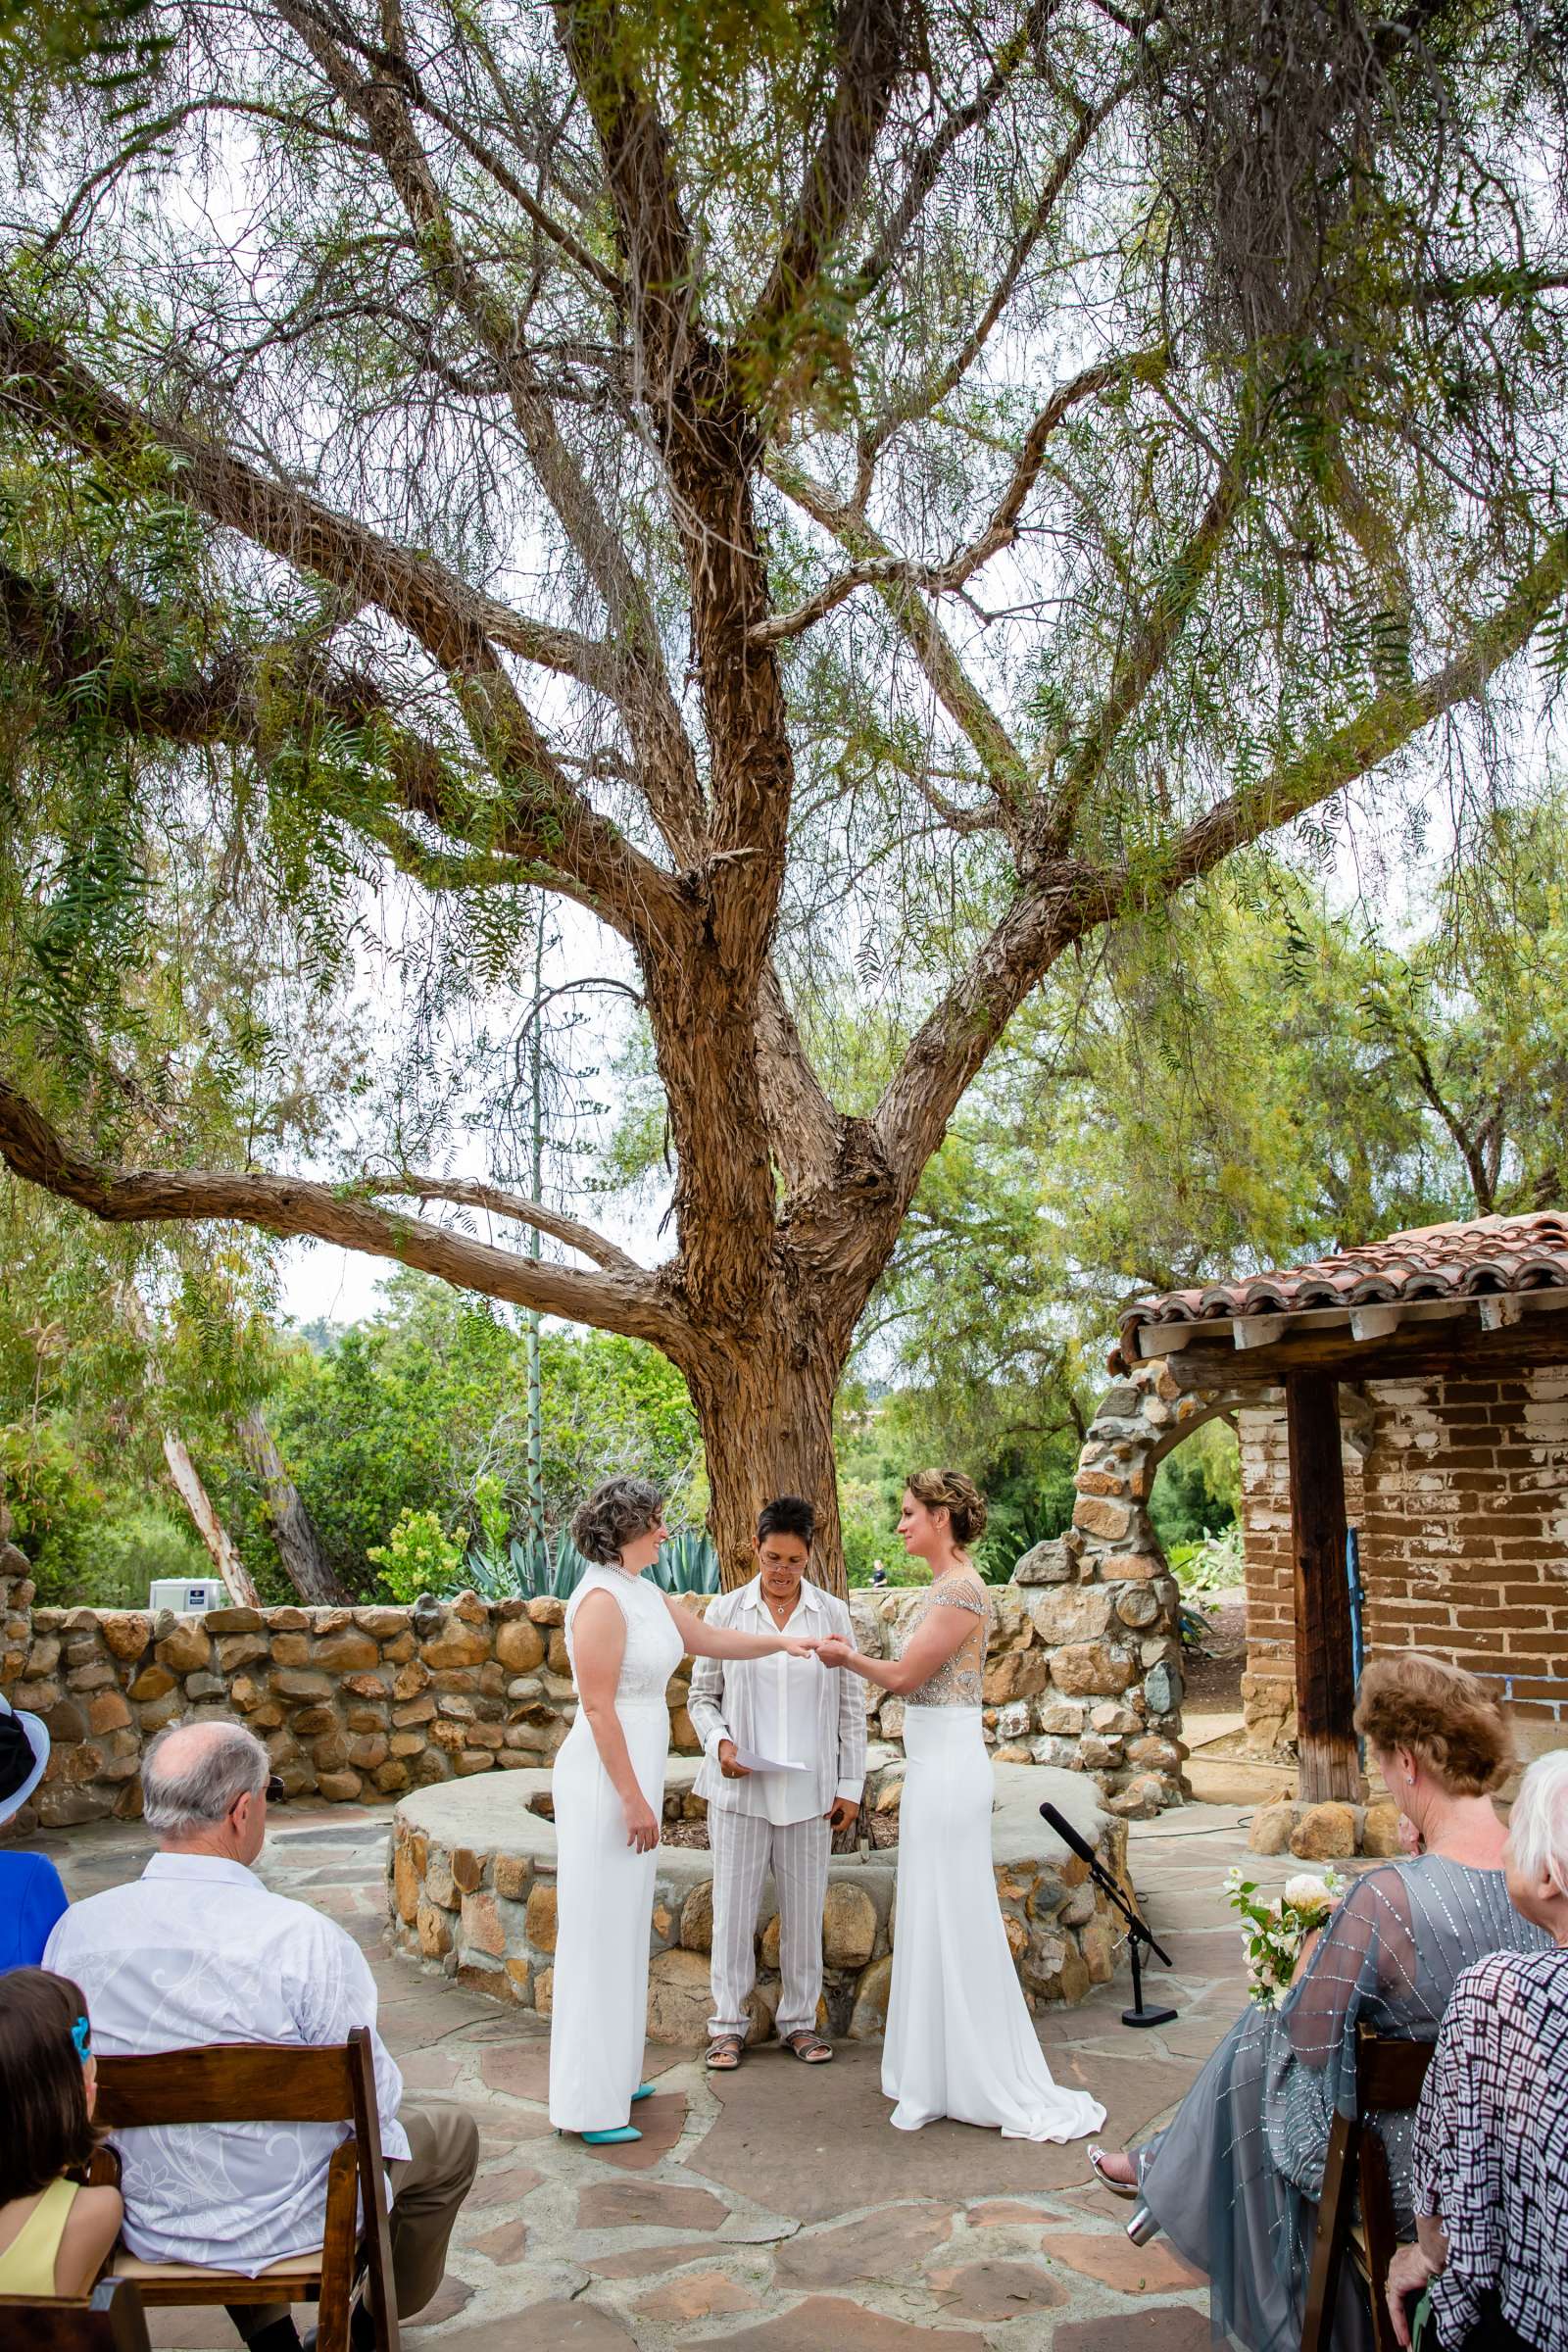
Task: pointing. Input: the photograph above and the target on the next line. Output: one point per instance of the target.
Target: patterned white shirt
(1492, 2147)
(197, 1950)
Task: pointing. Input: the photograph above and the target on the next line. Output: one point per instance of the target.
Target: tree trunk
(299, 1546)
(767, 1418)
(238, 1580)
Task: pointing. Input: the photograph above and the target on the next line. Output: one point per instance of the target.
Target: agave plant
(531, 1565)
(687, 1563)
(488, 1573)
(529, 1569)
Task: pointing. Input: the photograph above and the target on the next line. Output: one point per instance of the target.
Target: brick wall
(1460, 1488)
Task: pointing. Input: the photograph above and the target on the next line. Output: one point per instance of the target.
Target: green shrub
(416, 1558)
(1214, 1563)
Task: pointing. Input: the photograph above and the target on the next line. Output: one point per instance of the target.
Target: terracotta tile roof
(1481, 1254)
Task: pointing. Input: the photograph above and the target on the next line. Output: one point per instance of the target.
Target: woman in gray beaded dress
(1234, 2181)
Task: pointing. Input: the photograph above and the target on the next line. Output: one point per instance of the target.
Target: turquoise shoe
(601, 2139)
(644, 2091)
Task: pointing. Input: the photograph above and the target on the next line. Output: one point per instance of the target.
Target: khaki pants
(428, 2186)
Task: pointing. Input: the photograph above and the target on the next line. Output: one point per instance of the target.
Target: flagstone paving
(774, 2210)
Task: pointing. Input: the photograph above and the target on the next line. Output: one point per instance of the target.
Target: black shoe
(362, 2333)
(280, 2335)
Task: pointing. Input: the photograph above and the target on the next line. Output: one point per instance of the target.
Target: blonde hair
(952, 1492)
(1446, 1717)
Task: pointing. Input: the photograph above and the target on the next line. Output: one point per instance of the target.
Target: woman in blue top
(32, 1898)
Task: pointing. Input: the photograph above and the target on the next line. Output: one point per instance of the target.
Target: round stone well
(472, 1894)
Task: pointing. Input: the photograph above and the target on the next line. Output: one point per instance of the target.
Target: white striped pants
(743, 1846)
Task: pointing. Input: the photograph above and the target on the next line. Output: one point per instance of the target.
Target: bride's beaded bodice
(653, 1645)
(959, 1681)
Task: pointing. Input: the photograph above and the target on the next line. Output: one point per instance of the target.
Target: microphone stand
(1138, 1931)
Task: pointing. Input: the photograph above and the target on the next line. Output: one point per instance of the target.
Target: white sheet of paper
(754, 1763)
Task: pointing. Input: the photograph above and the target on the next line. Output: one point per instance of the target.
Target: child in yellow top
(54, 2235)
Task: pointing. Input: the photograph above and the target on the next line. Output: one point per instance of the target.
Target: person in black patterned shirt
(1492, 2131)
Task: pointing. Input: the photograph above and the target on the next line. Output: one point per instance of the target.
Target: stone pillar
(1109, 1618)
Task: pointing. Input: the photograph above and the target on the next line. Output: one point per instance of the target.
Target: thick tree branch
(470, 1192)
(40, 383)
(869, 40)
(709, 431)
(543, 817)
(806, 1128)
(259, 699)
(637, 1304)
(393, 63)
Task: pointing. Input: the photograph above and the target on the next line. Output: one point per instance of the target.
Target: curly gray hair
(615, 1515)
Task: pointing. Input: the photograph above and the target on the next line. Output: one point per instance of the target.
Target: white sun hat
(36, 1733)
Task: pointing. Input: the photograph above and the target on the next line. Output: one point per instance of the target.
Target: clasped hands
(828, 1649)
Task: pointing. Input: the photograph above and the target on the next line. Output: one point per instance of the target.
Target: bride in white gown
(625, 1638)
(960, 2041)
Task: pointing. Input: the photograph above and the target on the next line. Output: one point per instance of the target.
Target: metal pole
(536, 1421)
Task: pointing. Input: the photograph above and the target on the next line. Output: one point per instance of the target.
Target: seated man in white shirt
(787, 1711)
(197, 1950)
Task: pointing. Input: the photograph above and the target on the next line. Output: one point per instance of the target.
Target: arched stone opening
(1111, 1616)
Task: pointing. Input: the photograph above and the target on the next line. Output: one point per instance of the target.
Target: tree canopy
(862, 494)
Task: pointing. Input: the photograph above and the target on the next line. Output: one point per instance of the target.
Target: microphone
(1137, 1932)
(1069, 1836)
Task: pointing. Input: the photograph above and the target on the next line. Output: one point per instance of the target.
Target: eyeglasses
(82, 2040)
(275, 1792)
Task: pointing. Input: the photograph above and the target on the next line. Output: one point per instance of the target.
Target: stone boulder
(1324, 1833)
(1270, 1833)
(681, 1999)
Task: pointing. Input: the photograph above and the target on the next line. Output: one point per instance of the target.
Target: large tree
(858, 488)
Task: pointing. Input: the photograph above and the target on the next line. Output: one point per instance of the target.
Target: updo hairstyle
(1441, 1714)
(951, 1492)
(615, 1515)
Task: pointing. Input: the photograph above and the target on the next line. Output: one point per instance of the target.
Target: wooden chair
(1388, 2075)
(243, 2082)
(110, 2320)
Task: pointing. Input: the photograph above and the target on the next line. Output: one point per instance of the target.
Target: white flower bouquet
(1274, 1929)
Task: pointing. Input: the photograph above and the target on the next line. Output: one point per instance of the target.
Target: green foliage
(1198, 1488)
(417, 1556)
(1212, 1565)
(423, 1410)
(1024, 1471)
(89, 1537)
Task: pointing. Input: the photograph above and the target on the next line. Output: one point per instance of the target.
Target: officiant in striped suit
(780, 1711)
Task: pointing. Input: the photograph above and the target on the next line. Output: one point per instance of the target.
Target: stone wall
(1101, 1683)
(471, 1895)
(1460, 1490)
(354, 1705)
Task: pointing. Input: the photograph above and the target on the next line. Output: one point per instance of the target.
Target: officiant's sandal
(723, 2054)
(808, 2047)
